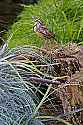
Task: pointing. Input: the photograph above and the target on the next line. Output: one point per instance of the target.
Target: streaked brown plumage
(41, 30)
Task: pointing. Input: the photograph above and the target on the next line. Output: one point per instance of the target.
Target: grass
(64, 18)
(17, 66)
(15, 92)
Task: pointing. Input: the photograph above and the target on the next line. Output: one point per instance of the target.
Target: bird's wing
(45, 32)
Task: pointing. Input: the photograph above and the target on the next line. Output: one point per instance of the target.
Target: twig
(43, 81)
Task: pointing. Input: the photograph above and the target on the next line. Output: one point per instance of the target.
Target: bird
(41, 30)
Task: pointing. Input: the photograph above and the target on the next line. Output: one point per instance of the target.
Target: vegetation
(31, 89)
(41, 86)
(63, 18)
(16, 102)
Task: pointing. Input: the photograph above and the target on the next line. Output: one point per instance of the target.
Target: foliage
(29, 82)
(16, 101)
(18, 95)
(63, 17)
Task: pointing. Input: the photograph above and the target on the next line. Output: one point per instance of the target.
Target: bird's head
(34, 18)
